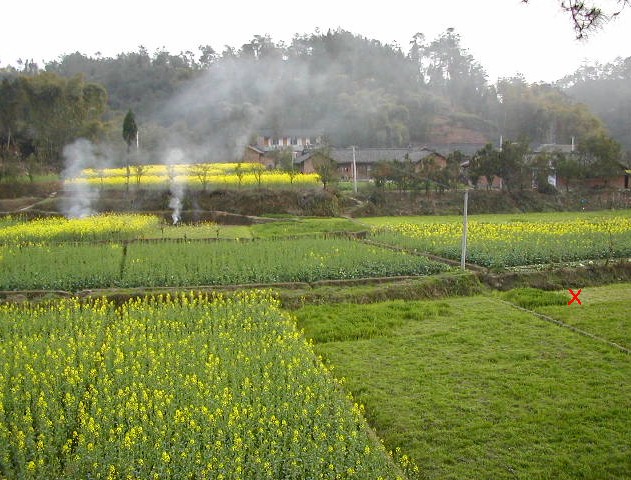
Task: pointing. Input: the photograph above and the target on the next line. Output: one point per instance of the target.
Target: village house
(296, 140)
(254, 154)
(366, 158)
(304, 145)
(620, 181)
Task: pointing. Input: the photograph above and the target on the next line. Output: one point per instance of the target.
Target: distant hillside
(352, 89)
(606, 89)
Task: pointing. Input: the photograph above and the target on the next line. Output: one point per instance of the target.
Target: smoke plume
(79, 197)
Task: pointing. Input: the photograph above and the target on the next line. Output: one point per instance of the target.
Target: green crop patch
(330, 323)
(534, 297)
(484, 390)
(605, 312)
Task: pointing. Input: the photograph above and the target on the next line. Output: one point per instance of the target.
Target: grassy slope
(471, 388)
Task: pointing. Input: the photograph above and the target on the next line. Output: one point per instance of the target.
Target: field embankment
(303, 201)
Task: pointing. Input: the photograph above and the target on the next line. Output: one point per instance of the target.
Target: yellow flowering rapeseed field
(188, 386)
(57, 229)
(517, 242)
(217, 174)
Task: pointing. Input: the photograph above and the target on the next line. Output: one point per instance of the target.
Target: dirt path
(28, 207)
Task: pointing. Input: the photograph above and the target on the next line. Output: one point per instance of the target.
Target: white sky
(505, 36)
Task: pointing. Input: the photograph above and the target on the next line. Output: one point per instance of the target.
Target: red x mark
(575, 296)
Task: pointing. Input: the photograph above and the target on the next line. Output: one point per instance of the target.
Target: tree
(606, 90)
(41, 114)
(602, 155)
(404, 174)
(511, 164)
(208, 56)
(284, 159)
(130, 129)
(11, 100)
(451, 71)
(567, 168)
(238, 171)
(454, 169)
(428, 172)
(9, 164)
(382, 173)
(130, 132)
(485, 163)
(257, 171)
(542, 168)
(543, 113)
(202, 171)
(139, 171)
(325, 167)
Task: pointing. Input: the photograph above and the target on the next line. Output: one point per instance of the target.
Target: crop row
(226, 174)
(96, 228)
(517, 243)
(183, 387)
(74, 267)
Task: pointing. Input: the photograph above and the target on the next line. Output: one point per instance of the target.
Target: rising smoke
(174, 157)
(214, 119)
(79, 197)
(215, 116)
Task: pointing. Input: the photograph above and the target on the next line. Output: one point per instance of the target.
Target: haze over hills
(353, 89)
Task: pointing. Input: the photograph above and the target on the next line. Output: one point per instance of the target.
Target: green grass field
(473, 388)
(604, 312)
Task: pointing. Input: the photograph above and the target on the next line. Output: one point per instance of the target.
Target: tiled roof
(256, 149)
(289, 132)
(373, 155)
(468, 149)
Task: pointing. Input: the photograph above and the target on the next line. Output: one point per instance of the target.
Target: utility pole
(465, 221)
(465, 225)
(354, 172)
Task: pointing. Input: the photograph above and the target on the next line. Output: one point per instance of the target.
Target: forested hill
(352, 89)
(606, 89)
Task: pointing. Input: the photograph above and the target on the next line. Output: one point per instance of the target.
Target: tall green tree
(40, 114)
(485, 163)
(325, 167)
(130, 129)
(511, 165)
(450, 70)
(542, 113)
(600, 155)
(568, 169)
(130, 132)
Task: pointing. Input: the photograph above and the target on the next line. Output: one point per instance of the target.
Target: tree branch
(588, 17)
